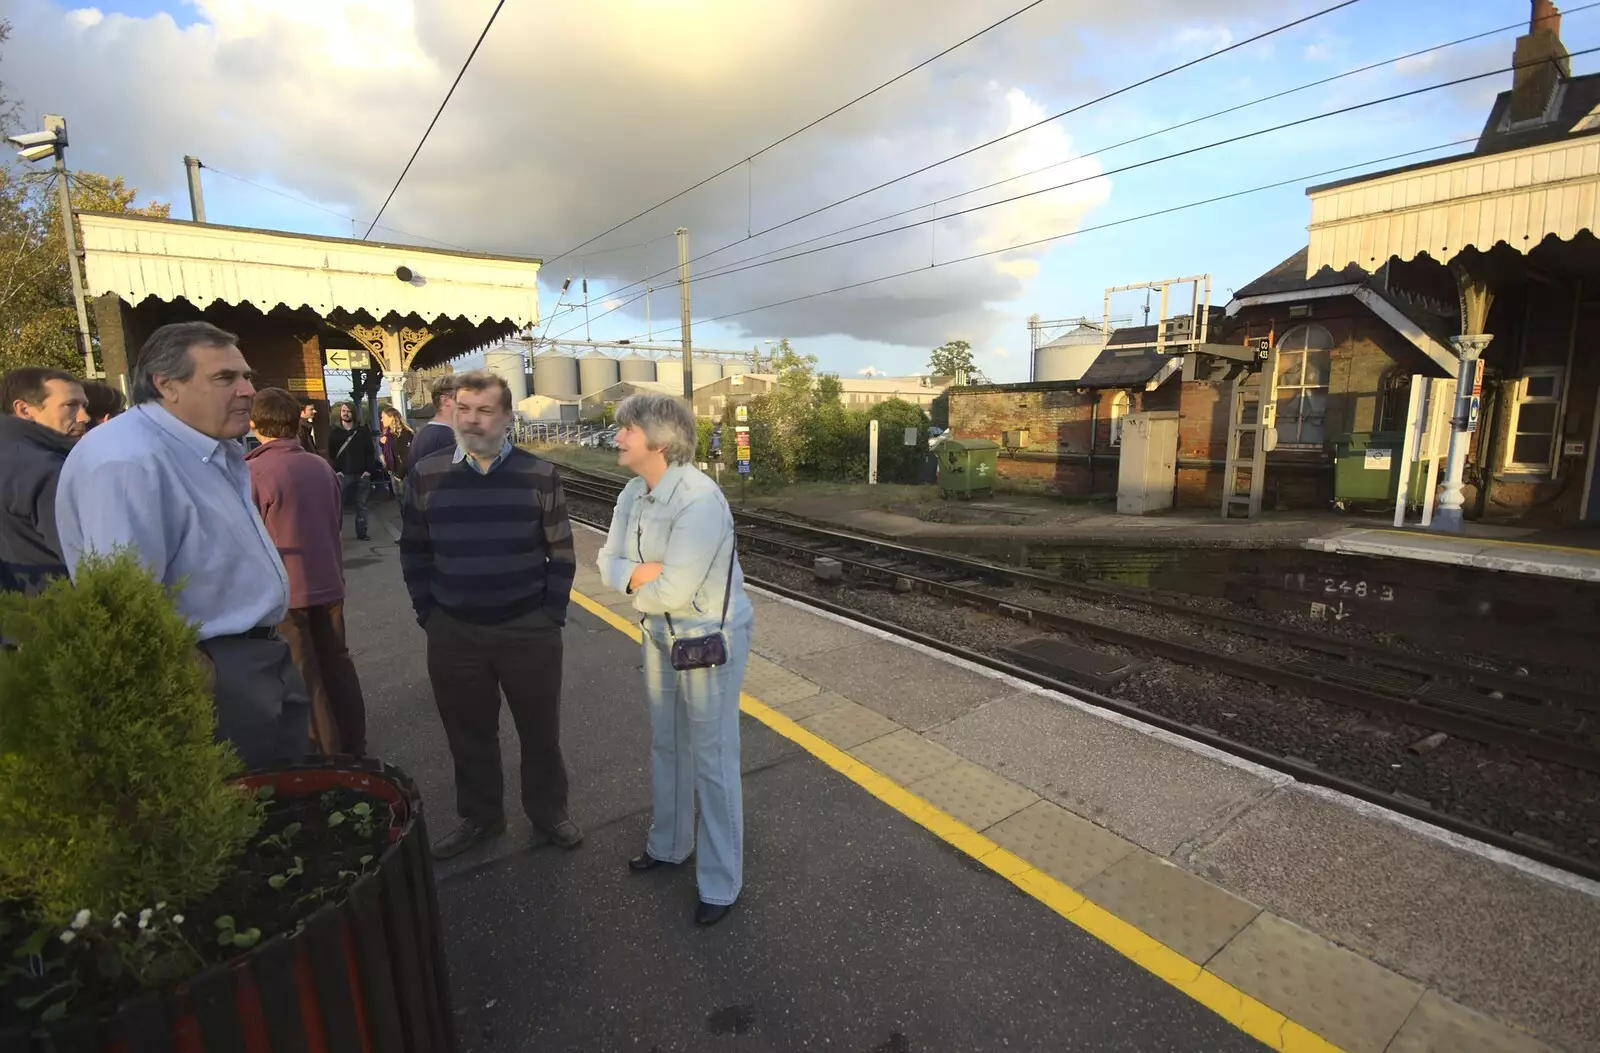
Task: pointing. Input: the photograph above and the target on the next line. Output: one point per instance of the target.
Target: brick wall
(1069, 450)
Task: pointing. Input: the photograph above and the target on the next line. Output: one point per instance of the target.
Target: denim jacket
(685, 525)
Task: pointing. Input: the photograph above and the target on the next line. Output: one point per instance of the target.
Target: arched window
(1119, 410)
(1305, 354)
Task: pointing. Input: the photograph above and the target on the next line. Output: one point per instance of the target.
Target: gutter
(1386, 312)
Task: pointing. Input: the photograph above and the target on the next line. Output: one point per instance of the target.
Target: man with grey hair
(487, 553)
(168, 481)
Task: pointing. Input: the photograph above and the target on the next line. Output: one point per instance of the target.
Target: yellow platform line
(1254, 1018)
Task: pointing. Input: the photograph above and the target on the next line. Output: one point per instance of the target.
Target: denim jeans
(694, 748)
(361, 487)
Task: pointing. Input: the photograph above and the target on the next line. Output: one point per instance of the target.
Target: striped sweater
(486, 548)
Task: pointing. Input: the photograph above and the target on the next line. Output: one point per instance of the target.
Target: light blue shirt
(181, 500)
(461, 455)
(685, 525)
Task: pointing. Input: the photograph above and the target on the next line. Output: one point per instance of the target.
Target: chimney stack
(1542, 64)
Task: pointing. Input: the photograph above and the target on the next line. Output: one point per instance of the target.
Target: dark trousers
(261, 702)
(470, 665)
(357, 487)
(338, 710)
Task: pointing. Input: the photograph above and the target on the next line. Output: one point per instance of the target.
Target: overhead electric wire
(1341, 111)
(437, 114)
(1082, 155)
(1028, 128)
(1087, 230)
(807, 127)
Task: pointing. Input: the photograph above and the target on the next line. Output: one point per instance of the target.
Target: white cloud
(1000, 353)
(869, 371)
(575, 116)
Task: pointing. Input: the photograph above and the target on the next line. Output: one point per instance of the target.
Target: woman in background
(102, 401)
(671, 547)
(394, 446)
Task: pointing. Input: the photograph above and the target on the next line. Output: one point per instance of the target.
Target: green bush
(111, 785)
(897, 462)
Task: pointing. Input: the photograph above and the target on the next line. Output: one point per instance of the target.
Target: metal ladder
(1251, 412)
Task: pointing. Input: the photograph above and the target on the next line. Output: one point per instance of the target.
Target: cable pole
(683, 300)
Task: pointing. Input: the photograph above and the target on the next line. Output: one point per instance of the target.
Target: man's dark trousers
(316, 638)
(470, 665)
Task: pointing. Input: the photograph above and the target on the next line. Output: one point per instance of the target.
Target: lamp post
(51, 141)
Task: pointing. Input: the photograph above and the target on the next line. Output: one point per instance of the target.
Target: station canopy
(413, 307)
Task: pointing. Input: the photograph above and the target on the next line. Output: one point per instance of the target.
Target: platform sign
(342, 358)
(308, 386)
(741, 447)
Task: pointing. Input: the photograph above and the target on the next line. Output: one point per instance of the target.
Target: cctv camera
(27, 139)
(37, 153)
(407, 275)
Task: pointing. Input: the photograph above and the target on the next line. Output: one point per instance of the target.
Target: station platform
(1475, 548)
(941, 858)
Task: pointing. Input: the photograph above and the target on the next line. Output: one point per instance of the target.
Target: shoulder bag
(711, 650)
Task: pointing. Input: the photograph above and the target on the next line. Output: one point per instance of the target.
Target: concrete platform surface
(879, 924)
(1512, 556)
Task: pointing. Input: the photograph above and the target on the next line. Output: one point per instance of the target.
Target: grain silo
(555, 375)
(669, 371)
(596, 372)
(636, 369)
(508, 364)
(1068, 356)
(706, 370)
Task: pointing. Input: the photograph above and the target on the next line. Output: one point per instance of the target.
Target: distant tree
(954, 359)
(828, 389)
(38, 322)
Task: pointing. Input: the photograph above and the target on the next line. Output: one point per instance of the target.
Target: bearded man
(486, 550)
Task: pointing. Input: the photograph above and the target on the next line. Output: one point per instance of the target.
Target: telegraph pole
(70, 230)
(683, 299)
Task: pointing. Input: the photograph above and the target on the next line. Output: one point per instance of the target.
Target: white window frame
(1278, 386)
(1120, 404)
(1520, 398)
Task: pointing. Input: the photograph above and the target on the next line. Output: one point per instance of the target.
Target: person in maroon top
(299, 500)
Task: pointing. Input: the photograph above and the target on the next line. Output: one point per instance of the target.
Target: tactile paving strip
(849, 725)
(1185, 912)
(775, 685)
(1438, 1025)
(905, 756)
(973, 795)
(1070, 849)
(809, 707)
(1356, 1004)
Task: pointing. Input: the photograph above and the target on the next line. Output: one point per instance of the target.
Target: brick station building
(294, 298)
(1489, 257)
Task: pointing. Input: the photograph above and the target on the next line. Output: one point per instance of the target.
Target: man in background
(167, 479)
(42, 415)
(308, 427)
(298, 498)
(354, 455)
(440, 432)
(488, 559)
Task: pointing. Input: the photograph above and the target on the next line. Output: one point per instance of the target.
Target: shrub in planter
(151, 897)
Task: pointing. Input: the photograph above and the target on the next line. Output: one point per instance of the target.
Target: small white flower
(116, 922)
(161, 906)
(68, 936)
(144, 918)
(79, 920)
(177, 919)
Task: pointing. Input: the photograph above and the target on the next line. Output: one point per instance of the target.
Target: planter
(365, 974)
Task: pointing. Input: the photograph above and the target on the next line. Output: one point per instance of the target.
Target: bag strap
(727, 588)
(346, 445)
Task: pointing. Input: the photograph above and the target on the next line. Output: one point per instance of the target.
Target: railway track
(1539, 719)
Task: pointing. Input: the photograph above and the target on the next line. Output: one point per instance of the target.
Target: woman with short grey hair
(671, 547)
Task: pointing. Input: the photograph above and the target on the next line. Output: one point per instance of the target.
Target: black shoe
(645, 861)
(469, 833)
(711, 913)
(363, 537)
(565, 834)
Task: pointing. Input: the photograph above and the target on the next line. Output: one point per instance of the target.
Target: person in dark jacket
(308, 427)
(354, 456)
(394, 443)
(42, 416)
(298, 498)
(440, 432)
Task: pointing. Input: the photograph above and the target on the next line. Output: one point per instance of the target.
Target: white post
(872, 453)
(1412, 446)
(397, 392)
(1452, 496)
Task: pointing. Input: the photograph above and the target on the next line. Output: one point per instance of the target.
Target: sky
(574, 117)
